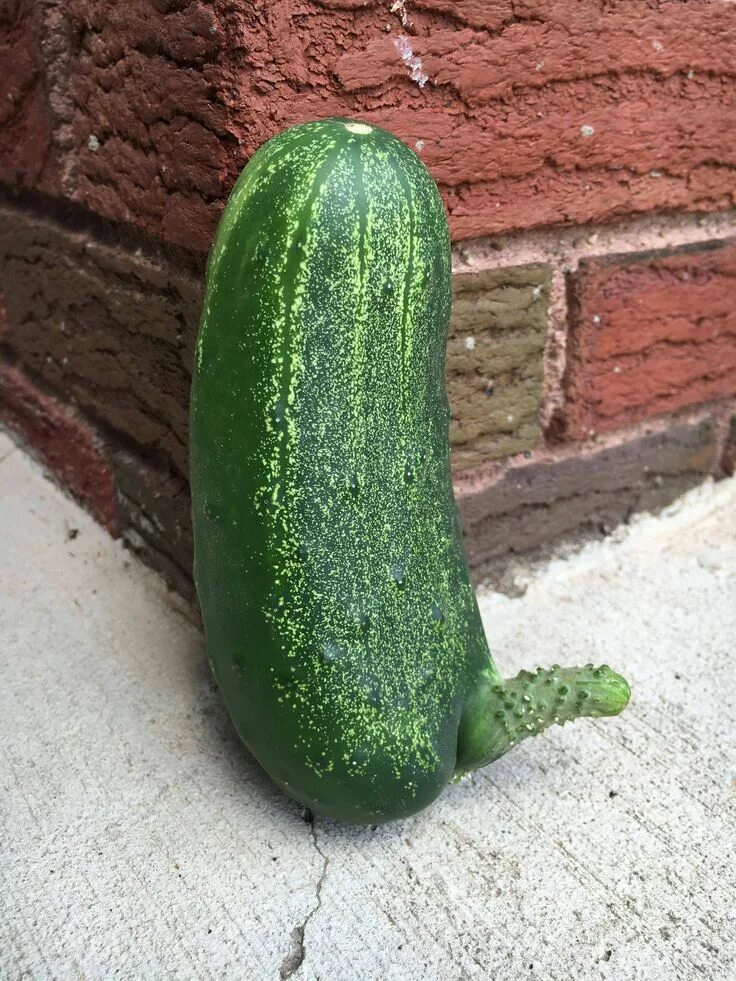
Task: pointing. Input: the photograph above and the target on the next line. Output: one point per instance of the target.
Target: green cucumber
(340, 621)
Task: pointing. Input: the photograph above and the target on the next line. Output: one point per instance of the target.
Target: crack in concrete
(297, 949)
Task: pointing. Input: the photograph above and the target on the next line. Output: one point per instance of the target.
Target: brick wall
(584, 151)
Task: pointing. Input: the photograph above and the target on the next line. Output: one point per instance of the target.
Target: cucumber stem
(498, 716)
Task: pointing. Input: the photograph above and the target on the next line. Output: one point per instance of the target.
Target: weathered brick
(494, 362)
(109, 330)
(25, 127)
(523, 512)
(64, 443)
(534, 113)
(114, 332)
(565, 111)
(532, 505)
(155, 518)
(152, 140)
(650, 334)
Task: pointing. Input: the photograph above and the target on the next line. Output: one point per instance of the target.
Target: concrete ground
(139, 840)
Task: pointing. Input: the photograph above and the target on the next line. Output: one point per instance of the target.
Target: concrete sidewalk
(138, 839)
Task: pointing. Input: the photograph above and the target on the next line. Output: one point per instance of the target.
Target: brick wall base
(518, 509)
(66, 444)
(583, 150)
(569, 409)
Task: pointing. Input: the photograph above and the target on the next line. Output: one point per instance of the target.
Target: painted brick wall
(584, 152)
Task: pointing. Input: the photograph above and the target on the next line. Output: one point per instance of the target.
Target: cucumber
(340, 621)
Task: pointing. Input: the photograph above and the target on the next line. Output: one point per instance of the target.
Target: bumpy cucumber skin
(340, 621)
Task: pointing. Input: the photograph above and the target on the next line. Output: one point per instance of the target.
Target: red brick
(110, 330)
(173, 98)
(25, 129)
(150, 128)
(571, 495)
(649, 335)
(64, 443)
(156, 518)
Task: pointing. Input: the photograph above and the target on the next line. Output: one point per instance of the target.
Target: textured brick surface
(114, 332)
(155, 518)
(66, 445)
(25, 129)
(111, 331)
(650, 334)
(571, 110)
(494, 362)
(534, 112)
(534, 505)
(150, 132)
